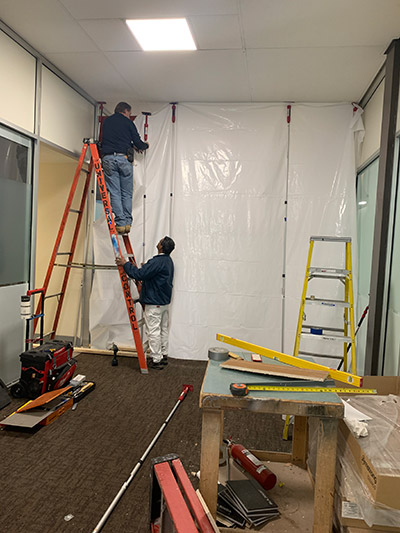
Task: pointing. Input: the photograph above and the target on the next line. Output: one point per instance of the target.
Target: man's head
(165, 246)
(123, 108)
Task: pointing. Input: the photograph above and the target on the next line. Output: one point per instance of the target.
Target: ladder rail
(303, 301)
(61, 230)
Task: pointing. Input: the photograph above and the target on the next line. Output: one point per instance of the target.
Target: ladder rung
(329, 270)
(340, 338)
(88, 266)
(327, 303)
(75, 211)
(323, 328)
(52, 296)
(64, 253)
(328, 276)
(321, 355)
(331, 239)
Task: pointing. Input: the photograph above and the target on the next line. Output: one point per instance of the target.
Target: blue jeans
(118, 174)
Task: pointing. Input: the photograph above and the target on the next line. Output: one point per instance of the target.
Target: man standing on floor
(156, 277)
(119, 135)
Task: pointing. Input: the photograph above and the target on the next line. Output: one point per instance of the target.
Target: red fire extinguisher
(252, 465)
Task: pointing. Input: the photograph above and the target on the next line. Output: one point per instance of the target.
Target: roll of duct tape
(218, 354)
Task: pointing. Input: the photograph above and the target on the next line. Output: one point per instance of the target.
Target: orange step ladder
(96, 164)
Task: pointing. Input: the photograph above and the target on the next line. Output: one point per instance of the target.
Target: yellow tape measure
(242, 389)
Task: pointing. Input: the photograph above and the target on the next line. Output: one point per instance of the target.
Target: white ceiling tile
(110, 35)
(201, 76)
(216, 32)
(312, 74)
(308, 23)
(46, 25)
(90, 9)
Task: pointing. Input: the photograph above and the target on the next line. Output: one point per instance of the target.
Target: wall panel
(17, 87)
(66, 117)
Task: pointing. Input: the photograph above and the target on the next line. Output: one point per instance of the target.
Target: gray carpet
(78, 464)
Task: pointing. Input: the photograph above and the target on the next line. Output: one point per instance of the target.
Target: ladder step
(52, 296)
(75, 211)
(329, 270)
(340, 338)
(327, 303)
(328, 276)
(64, 253)
(330, 239)
(311, 354)
(323, 328)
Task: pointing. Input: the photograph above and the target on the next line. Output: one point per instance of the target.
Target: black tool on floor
(185, 390)
(114, 362)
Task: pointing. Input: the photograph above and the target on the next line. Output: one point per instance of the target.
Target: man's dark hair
(167, 245)
(121, 107)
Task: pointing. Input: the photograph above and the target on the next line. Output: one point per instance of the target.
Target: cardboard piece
(272, 369)
(377, 457)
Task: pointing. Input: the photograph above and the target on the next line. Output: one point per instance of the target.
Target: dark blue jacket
(118, 134)
(157, 275)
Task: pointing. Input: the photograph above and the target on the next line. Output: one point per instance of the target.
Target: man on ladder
(119, 136)
(156, 276)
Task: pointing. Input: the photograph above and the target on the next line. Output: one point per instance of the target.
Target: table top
(215, 394)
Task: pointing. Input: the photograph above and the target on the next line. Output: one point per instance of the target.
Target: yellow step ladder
(343, 335)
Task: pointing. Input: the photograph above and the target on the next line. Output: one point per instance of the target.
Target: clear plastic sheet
(352, 488)
(217, 181)
(382, 447)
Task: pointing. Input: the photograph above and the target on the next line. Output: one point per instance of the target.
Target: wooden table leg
(209, 460)
(325, 475)
(300, 441)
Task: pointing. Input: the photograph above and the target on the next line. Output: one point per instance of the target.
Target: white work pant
(156, 318)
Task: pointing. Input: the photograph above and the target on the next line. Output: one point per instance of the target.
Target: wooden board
(43, 399)
(275, 370)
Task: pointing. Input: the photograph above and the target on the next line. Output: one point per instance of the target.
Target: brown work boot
(120, 229)
(127, 228)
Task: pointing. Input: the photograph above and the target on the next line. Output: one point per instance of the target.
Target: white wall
(17, 87)
(66, 117)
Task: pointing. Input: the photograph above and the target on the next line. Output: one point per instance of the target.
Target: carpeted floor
(77, 465)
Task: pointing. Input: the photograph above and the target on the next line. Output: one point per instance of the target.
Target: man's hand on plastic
(120, 261)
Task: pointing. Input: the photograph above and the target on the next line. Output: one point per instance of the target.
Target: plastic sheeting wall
(217, 181)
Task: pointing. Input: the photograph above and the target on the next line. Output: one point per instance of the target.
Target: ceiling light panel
(162, 34)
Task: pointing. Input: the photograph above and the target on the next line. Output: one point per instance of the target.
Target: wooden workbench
(215, 397)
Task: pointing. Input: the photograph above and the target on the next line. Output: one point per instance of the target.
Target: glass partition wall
(367, 181)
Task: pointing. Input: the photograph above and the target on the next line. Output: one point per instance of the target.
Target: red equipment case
(45, 368)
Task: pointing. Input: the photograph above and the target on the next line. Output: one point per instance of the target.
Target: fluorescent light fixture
(162, 34)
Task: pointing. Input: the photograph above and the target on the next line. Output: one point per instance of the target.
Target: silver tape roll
(218, 354)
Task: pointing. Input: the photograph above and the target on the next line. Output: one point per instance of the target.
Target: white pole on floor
(186, 389)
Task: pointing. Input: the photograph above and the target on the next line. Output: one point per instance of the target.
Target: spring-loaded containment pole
(186, 389)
